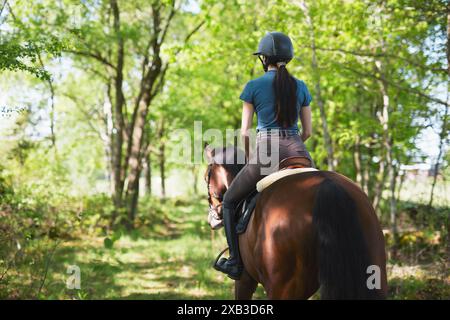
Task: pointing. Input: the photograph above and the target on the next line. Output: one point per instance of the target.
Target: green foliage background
(55, 201)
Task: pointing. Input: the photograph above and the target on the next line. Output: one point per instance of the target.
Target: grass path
(172, 260)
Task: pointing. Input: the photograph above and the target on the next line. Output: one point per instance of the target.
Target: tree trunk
(387, 143)
(442, 141)
(357, 163)
(162, 169)
(357, 158)
(448, 38)
(444, 131)
(391, 172)
(148, 175)
(132, 199)
(382, 68)
(162, 159)
(448, 90)
(393, 206)
(194, 179)
(118, 122)
(380, 180)
(136, 144)
(319, 100)
(400, 186)
(109, 147)
(134, 164)
(52, 107)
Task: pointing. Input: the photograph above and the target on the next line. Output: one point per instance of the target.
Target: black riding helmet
(277, 47)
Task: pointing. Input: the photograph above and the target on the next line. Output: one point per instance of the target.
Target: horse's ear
(209, 152)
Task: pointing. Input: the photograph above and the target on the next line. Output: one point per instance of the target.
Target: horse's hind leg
(245, 287)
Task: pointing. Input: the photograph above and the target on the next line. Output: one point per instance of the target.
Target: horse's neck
(232, 160)
(229, 177)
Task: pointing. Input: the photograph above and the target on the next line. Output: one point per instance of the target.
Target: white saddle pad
(271, 178)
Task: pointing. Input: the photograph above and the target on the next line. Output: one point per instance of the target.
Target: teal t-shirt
(260, 93)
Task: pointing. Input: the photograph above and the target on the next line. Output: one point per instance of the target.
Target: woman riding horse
(309, 230)
(277, 98)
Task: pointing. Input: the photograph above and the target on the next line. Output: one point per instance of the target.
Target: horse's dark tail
(343, 256)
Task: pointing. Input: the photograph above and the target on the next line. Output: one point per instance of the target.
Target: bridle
(213, 209)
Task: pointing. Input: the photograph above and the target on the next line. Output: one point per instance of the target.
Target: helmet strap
(265, 66)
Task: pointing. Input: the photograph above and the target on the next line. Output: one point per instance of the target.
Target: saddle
(286, 167)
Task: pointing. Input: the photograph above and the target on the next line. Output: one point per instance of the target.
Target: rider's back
(260, 93)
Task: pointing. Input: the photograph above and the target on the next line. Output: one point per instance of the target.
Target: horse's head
(223, 165)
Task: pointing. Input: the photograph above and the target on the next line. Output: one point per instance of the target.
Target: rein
(215, 196)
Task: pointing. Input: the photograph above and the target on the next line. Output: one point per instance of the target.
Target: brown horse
(308, 231)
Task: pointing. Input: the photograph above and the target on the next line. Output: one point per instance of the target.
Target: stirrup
(218, 257)
(216, 265)
(234, 272)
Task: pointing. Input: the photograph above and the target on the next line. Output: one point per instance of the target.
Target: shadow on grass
(173, 218)
(105, 276)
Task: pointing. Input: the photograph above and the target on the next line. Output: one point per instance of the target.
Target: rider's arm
(247, 120)
(305, 117)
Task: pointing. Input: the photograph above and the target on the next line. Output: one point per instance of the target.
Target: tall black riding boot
(232, 266)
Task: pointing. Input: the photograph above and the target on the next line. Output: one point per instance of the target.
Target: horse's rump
(292, 224)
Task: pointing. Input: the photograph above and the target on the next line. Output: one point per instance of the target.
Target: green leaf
(108, 243)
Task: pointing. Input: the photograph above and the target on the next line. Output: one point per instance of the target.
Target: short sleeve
(247, 93)
(305, 97)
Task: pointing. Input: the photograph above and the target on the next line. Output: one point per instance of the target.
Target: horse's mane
(231, 158)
